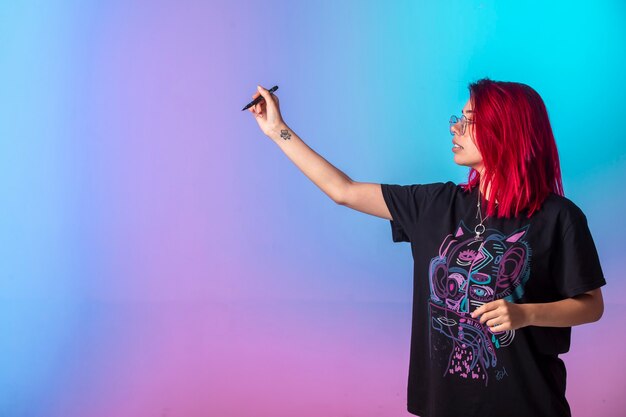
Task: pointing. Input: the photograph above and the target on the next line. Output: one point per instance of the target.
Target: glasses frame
(464, 122)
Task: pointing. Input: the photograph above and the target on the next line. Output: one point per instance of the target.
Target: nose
(455, 129)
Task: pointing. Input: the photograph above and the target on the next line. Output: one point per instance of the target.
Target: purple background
(161, 257)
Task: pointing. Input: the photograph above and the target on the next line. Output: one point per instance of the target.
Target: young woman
(504, 264)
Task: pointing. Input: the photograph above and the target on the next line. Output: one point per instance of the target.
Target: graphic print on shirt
(466, 274)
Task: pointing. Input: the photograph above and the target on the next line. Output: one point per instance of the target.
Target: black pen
(259, 98)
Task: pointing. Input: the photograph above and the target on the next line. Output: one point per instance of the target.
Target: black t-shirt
(457, 366)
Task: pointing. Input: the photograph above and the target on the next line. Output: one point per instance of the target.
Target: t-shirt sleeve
(406, 203)
(577, 266)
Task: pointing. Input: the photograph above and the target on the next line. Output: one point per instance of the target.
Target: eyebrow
(467, 111)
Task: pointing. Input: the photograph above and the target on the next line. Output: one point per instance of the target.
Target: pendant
(478, 233)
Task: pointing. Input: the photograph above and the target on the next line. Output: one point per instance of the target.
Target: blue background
(161, 257)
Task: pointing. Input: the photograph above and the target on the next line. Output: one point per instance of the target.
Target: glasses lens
(453, 121)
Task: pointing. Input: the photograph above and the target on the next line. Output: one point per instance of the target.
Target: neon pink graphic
(466, 274)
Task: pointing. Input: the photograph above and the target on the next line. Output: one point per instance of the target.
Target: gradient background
(159, 256)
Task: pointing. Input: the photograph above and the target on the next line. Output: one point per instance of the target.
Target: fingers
(492, 322)
(496, 320)
(266, 95)
(488, 316)
(255, 111)
(258, 108)
(500, 328)
(487, 307)
(261, 107)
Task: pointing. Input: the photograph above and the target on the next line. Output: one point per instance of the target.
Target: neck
(486, 193)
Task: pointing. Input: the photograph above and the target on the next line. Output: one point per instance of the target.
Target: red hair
(515, 139)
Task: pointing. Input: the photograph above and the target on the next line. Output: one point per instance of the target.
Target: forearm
(328, 178)
(565, 313)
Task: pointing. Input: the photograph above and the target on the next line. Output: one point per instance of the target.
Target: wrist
(279, 132)
(530, 313)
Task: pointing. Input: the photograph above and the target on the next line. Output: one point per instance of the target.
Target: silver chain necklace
(480, 228)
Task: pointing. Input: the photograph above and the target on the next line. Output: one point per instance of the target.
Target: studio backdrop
(161, 257)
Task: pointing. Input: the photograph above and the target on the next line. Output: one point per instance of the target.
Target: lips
(453, 142)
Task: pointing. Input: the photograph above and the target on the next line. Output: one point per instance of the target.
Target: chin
(459, 161)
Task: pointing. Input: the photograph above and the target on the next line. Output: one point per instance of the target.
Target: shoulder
(447, 186)
(564, 210)
(420, 195)
(440, 191)
(432, 188)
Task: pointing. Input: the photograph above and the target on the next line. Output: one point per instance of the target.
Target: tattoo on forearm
(284, 133)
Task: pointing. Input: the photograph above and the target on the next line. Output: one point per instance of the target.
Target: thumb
(266, 94)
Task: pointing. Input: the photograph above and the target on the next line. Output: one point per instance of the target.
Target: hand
(267, 112)
(504, 314)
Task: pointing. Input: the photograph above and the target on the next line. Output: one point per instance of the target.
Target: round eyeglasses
(464, 121)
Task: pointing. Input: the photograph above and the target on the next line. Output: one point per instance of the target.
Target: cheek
(470, 136)
(470, 145)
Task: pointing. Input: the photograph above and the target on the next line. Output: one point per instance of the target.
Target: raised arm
(366, 197)
(362, 196)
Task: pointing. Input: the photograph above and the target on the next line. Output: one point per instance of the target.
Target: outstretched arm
(332, 181)
(361, 196)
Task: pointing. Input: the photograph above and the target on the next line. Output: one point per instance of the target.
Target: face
(468, 155)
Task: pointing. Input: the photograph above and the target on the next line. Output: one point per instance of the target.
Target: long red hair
(515, 139)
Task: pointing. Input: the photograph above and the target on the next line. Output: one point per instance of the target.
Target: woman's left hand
(502, 315)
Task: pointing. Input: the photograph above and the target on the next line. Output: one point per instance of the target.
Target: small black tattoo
(285, 134)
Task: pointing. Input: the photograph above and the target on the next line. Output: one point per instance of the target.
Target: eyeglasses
(464, 121)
